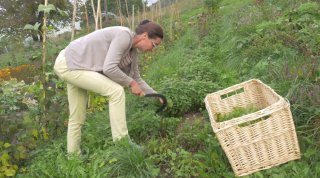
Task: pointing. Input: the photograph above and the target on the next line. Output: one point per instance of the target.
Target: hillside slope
(210, 49)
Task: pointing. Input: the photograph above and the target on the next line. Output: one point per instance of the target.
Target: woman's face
(153, 43)
(148, 44)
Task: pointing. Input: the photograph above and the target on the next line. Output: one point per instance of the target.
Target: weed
(236, 112)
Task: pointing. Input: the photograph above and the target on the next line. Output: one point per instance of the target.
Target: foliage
(194, 133)
(145, 125)
(185, 95)
(128, 160)
(112, 7)
(6, 167)
(97, 102)
(20, 12)
(24, 73)
(180, 162)
(270, 41)
(198, 68)
(236, 112)
(22, 129)
(12, 98)
(63, 166)
(211, 5)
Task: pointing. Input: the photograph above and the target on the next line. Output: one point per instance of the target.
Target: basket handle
(263, 117)
(232, 92)
(238, 88)
(251, 122)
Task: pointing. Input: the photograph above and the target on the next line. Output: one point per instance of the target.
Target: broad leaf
(32, 27)
(62, 13)
(47, 8)
(6, 145)
(28, 27)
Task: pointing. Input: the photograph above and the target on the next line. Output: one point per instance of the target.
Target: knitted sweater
(109, 51)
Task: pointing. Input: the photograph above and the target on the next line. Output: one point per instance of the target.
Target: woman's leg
(77, 98)
(93, 81)
(98, 83)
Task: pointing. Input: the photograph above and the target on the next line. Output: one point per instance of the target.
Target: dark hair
(154, 30)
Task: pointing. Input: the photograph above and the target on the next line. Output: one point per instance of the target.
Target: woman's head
(148, 35)
(154, 30)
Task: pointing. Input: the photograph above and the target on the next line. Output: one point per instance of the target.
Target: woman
(104, 62)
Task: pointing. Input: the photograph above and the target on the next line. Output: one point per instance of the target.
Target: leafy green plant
(198, 68)
(193, 134)
(241, 43)
(12, 96)
(145, 124)
(178, 163)
(211, 5)
(214, 160)
(127, 160)
(236, 112)
(185, 95)
(97, 102)
(7, 168)
(53, 162)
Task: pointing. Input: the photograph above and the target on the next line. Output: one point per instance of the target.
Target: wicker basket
(258, 140)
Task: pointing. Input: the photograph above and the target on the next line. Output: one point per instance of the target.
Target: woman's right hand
(135, 88)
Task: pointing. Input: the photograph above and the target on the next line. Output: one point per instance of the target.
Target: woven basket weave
(258, 140)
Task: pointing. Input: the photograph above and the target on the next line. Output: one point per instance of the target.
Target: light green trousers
(78, 83)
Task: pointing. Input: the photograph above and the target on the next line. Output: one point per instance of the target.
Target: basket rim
(239, 85)
(219, 126)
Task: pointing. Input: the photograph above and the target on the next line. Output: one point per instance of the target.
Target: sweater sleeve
(117, 49)
(136, 76)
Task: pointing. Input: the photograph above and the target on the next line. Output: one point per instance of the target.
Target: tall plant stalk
(99, 21)
(151, 12)
(86, 17)
(144, 11)
(132, 21)
(73, 18)
(127, 13)
(171, 23)
(106, 9)
(44, 55)
(139, 18)
(119, 10)
(160, 10)
(94, 14)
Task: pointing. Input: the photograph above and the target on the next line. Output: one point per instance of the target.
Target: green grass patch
(236, 112)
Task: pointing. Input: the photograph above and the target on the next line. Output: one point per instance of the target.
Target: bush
(185, 95)
(211, 5)
(144, 125)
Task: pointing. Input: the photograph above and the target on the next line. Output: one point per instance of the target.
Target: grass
(173, 146)
(236, 112)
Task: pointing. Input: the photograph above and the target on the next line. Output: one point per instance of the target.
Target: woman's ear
(145, 35)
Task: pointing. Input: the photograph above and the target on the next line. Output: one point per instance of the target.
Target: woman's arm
(119, 46)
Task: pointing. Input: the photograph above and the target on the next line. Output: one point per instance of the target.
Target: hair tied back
(144, 22)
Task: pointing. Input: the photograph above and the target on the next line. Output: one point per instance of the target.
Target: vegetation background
(209, 45)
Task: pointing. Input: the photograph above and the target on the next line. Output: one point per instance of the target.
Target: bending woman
(105, 61)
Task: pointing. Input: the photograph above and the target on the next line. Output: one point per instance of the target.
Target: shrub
(144, 125)
(12, 96)
(211, 5)
(185, 95)
(199, 69)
